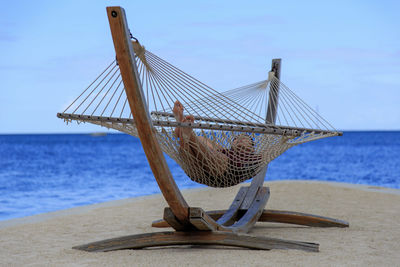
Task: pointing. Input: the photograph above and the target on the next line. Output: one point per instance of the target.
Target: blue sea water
(42, 173)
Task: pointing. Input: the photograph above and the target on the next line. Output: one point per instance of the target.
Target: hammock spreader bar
(245, 127)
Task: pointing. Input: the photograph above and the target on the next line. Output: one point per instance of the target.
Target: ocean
(43, 173)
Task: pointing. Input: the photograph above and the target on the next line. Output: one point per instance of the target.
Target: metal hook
(132, 37)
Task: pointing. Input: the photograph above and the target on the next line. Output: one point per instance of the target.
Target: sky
(341, 57)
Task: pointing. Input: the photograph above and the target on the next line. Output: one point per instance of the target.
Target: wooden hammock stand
(194, 225)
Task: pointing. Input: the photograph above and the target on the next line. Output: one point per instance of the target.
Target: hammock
(228, 138)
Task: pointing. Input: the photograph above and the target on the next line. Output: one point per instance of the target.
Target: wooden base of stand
(221, 227)
(161, 239)
(278, 216)
(192, 236)
(193, 226)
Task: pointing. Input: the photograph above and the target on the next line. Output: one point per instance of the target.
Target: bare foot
(178, 114)
(178, 111)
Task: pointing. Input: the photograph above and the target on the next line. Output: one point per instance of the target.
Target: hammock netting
(223, 138)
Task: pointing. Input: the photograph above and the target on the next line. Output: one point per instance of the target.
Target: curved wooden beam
(195, 238)
(257, 182)
(230, 216)
(279, 216)
(299, 218)
(127, 64)
(252, 215)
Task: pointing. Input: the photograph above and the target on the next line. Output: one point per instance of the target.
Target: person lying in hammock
(210, 163)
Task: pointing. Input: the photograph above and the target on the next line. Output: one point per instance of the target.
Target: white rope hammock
(226, 139)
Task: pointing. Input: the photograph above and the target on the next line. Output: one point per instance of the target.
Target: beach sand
(373, 238)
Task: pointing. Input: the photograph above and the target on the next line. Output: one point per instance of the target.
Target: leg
(200, 151)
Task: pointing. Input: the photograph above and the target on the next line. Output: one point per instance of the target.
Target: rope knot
(140, 52)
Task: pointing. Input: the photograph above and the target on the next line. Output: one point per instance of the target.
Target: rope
(225, 140)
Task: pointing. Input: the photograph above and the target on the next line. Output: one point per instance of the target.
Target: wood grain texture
(254, 187)
(127, 64)
(199, 219)
(171, 219)
(279, 216)
(273, 96)
(231, 214)
(252, 215)
(299, 218)
(258, 180)
(161, 239)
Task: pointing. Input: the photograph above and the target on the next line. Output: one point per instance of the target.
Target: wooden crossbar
(295, 131)
(276, 216)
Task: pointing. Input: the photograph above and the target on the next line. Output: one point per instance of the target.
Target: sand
(373, 238)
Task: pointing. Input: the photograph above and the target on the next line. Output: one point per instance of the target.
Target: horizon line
(117, 132)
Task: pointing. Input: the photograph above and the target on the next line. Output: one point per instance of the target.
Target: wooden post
(271, 111)
(274, 92)
(127, 64)
(258, 180)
